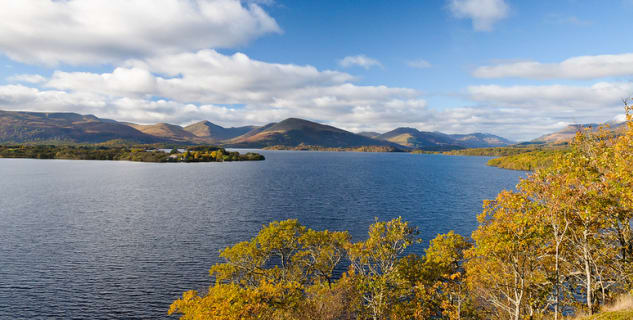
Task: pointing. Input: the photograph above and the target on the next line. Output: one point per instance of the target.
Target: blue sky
(514, 68)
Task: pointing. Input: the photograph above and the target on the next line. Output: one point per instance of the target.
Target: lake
(98, 239)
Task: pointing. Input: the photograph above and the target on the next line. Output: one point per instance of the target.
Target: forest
(526, 161)
(559, 246)
(138, 153)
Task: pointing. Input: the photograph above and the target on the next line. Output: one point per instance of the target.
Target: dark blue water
(95, 239)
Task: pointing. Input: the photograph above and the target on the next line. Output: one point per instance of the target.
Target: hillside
(413, 138)
(567, 134)
(166, 131)
(68, 127)
(480, 140)
(436, 141)
(369, 134)
(209, 130)
(293, 132)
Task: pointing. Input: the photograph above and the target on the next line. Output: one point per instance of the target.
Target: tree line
(560, 244)
(141, 154)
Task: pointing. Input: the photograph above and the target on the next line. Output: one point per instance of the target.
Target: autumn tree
(269, 276)
(374, 265)
(504, 268)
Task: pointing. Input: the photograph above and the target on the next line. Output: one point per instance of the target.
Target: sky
(518, 69)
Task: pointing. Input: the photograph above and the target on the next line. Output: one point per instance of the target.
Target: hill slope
(425, 140)
(165, 131)
(480, 140)
(293, 132)
(413, 138)
(369, 134)
(71, 127)
(206, 129)
(567, 134)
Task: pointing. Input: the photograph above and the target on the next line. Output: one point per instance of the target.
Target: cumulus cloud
(550, 106)
(30, 78)
(516, 112)
(550, 97)
(205, 76)
(419, 64)
(483, 13)
(105, 31)
(236, 90)
(359, 61)
(582, 67)
(228, 89)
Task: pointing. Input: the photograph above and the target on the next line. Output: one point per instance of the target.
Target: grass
(622, 309)
(612, 315)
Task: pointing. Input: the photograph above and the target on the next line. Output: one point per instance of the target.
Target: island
(126, 153)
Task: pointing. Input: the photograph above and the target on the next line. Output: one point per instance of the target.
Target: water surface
(99, 239)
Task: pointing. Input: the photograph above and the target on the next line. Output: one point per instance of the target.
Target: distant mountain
(425, 140)
(369, 134)
(206, 129)
(480, 140)
(566, 134)
(165, 131)
(71, 127)
(416, 139)
(293, 132)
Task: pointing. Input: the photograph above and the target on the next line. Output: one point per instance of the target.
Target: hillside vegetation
(561, 244)
(622, 309)
(527, 161)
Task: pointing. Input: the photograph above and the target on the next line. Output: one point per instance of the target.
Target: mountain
(480, 140)
(293, 132)
(414, 138)
(566, 134)
(165, 131)
(425, 140)
(369, 134)
(72, 127)
(209, 130)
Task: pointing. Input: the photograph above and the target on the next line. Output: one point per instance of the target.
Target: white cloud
(30, 78)
(360, 61)
(541, 109)
(516, 112)
(582, 67)
(232, 90)
(105, 31)
(550, 97)
(483, 13)
(419, 64)
(202, 77)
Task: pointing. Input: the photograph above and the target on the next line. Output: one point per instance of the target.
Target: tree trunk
(587, 274)
(557, 286)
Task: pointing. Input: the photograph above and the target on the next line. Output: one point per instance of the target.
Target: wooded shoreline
(125, 153)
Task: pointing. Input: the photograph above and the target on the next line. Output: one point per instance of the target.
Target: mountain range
(567, 134)
(20, 127)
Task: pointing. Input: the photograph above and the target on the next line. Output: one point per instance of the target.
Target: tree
(504, 268)
(374, 266)
(272, 276)
(443, 269)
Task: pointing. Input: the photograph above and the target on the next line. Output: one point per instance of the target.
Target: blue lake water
(99, 239)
